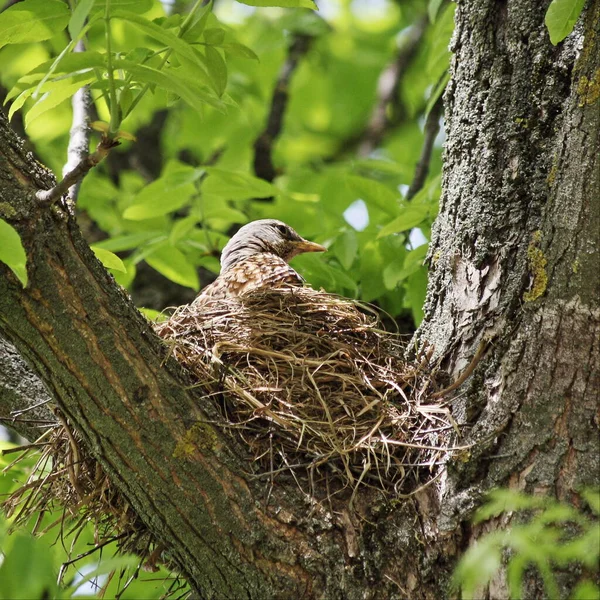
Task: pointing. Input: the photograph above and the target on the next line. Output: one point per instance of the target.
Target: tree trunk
(513, 259)
(514, 256)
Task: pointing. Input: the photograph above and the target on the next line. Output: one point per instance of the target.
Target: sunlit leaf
(375, 194)
(214, 36)
(410, 216)
(561, 18)
(12, 252)
(236, 49)
(108, 259)
(172, 263)
(345, 248)
(217, 69)
(236, 185)
(32, 21)
(80, 14)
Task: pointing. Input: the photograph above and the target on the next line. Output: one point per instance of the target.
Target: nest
(308, 382)
(313, 387)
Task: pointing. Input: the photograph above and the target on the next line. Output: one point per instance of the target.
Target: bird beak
(306, 246)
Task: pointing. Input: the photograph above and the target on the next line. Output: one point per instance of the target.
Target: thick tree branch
(263, 146)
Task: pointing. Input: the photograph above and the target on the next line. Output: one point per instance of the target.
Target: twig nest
(314, 387)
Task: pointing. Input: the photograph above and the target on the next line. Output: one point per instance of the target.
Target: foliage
(548, 534)
(30, 565)
(12, 252)
(561, 18)
(207, 76)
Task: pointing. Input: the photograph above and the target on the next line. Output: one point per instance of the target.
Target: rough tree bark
(514, 263)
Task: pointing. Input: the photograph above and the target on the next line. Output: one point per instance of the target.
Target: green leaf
(236, 185)
(585, 590)
(158, 198)
(130, 241)
(137, 6)
(80, 14)
(173, 264)
(432, 9)
(217, 69)
(51, 99)
(410, 217)
(198, 23)
(164, 36)
(281, 3)
(236, 49)
(172, 80)
(32, 21)
(214, 36)
(345, 248)
(438, 59)
(27, 570)
(375, 194)
(592, 497)
(108, 259)
(155, 316)
(478, 565)
(181, 228)
(12, 252)
(561, 18)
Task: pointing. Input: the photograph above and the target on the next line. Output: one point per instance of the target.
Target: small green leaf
(236, 185)
(236, 49)
(214, 36)
(217, 69)
(156, 200)
(172, 263)
(281, 3)
(12, 252)
(108, 259)
(561, 18)
(155, 316)
(345, 248)
(80, 14)
(410, 217)
(375, 194)
(32, 21)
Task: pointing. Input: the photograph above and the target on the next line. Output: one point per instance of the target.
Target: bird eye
(283, 230)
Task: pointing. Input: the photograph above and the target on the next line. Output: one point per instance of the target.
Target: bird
(257, 257)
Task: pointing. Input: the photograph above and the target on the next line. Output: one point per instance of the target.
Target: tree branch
(431, 129)
(77, 173)
(263, 146)
(79, 136)
(387, 112)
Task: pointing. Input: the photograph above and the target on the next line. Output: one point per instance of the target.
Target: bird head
(265, 236)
